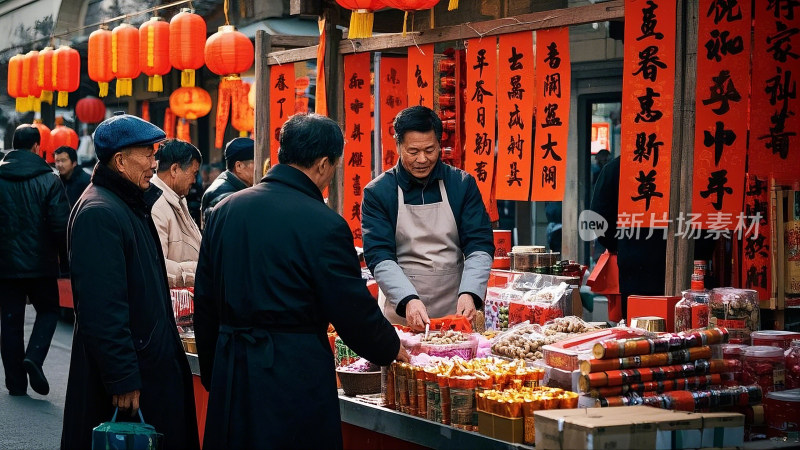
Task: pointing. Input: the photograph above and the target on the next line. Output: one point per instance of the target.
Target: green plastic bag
(125, 435)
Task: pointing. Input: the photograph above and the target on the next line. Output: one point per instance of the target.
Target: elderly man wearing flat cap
(239, 162)
(126, 352)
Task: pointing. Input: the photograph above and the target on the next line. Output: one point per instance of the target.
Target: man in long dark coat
(126, 351)
(276, 266)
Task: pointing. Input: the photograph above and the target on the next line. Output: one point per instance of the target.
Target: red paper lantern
(99, 60)
(187, 39)
(45, 76)
(361, 17)
(30, 88)
(125, 57)
(229, 52)
(45, 146)
(154, 52)
(90, 110)
(412, 6)
(66, 73)
(63, 136)
(190, 102)
(14, 86)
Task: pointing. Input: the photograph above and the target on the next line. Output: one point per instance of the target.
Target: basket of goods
(360, 378)
(449, 343)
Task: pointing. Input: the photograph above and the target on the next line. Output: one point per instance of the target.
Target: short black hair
(176, 151)
(230, 164)
(307, 137)
(25, 137)
(73, 155)
(416, 118)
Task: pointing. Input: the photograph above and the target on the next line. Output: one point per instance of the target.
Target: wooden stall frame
(336, 47)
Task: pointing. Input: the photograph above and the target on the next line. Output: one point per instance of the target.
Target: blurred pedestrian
(33, 224)
(239, 174)
(178, 164)
(126, 351)
(276, 266)
(74, 178)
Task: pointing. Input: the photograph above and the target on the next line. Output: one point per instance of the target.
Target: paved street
(34, 422)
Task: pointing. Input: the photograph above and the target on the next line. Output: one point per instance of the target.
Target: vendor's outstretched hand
(417, 315)
(466, 306)
(402, 355)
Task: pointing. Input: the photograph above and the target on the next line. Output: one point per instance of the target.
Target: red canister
(774, 338)
(502, 247)
(782, 411)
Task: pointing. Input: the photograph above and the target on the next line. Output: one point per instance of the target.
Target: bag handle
(116, 410)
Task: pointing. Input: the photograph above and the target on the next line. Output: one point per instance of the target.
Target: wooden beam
(291, 56)
(305, 7)
(261, 129)
(680, 250)
(280, 40)
(334, 70)
(598, 12)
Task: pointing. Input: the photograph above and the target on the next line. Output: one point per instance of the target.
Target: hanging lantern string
(225, 9)
(123, 17)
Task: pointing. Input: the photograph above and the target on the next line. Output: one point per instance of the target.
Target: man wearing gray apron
(427, 236)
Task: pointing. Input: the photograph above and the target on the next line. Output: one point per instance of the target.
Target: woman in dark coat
(276, 266)
(125, 343)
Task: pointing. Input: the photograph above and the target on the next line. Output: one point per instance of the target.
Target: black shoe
(36, 376)
(17, 393)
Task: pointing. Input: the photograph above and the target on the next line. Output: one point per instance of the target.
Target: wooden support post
(261, 130)
(680, 251)
(334, 70)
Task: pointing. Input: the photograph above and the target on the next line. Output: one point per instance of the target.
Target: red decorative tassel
(169, 124)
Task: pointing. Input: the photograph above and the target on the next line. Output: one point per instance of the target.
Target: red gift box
(658, 306)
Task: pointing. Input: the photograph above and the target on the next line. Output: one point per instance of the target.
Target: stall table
(369, 426)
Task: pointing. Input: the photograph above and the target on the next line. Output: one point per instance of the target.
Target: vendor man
(427, 236)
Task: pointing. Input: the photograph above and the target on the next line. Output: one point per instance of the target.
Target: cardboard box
(621, 427)
(485, 424)
(659, 306)
(509, 430)
(503, 428)
(722, 430)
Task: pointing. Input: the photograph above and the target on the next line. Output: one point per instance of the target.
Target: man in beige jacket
(178, 164)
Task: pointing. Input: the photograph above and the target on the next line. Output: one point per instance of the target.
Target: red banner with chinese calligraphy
(480, 113)
(393, 95)
(775, 122)
(357, 146)
(553, 80)
(515, 92)
(721, 105)
(756, 237)
(420, 75)
(281, 104)
(648, 84)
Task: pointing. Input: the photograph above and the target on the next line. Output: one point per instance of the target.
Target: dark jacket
(276, 266)
(125, 334)
(33, 217)
(76, 184)
(380, 201)
(226, 184)
(641, 261)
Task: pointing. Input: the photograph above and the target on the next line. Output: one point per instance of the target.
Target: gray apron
(429, 252)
